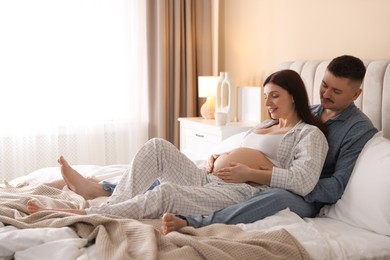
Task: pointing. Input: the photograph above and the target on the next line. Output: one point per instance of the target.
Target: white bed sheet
(353, 242)
(39, 243)
(111, 173)
(53, 243)
(323, 238)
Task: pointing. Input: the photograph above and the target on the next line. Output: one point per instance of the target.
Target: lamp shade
(207, 86)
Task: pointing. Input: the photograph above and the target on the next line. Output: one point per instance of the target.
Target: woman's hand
(236, 173)
(210, 163)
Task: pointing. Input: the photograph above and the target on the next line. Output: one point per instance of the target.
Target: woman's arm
(302, 156)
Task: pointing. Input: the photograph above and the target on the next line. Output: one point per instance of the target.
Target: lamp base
(208, 108)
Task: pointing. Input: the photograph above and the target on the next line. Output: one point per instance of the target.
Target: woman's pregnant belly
(248, 156)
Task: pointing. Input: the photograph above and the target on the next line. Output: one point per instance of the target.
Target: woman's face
(278, 101)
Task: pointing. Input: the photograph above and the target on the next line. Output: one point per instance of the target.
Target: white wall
(256, 35)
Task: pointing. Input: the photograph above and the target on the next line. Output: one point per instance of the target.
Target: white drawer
(197, 144)
(199, 137)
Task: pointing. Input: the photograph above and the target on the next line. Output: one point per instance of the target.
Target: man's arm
(329, 190)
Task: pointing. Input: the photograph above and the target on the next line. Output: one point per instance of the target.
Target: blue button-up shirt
(347, 135)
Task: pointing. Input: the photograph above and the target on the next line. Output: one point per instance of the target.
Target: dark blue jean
(111, 187)
(263, 204)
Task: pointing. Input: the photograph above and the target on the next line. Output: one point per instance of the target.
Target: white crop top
(268, 144)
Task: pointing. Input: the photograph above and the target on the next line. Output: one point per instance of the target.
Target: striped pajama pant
(184, 188)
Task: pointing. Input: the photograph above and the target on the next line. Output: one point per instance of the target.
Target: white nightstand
(199, 136)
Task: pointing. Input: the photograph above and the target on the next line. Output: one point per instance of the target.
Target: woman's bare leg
(172, 223)
(60, 184)
(85, 187)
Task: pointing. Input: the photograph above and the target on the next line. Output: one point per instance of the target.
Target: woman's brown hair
(291, 81)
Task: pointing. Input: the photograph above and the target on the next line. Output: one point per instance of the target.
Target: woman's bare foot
(172, 223)
(85, 187)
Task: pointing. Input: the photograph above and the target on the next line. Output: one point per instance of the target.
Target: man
(348, 131)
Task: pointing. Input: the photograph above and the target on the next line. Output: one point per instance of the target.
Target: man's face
(337, 93)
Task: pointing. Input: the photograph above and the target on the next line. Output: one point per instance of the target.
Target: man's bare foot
(32, 207)
(172, 223)
(85, 187)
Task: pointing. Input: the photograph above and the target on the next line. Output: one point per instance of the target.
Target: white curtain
(72, 83)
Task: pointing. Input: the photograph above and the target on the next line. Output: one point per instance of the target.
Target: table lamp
(207, 88)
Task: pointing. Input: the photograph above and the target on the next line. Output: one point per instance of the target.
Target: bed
(356, 227)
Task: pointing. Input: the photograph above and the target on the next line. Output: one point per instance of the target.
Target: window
(70, 68)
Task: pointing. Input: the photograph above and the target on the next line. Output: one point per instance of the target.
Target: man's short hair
(347, 66)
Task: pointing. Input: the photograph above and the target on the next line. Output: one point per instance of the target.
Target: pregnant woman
(286, 151)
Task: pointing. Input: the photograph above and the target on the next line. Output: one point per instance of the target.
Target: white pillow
(366, 199)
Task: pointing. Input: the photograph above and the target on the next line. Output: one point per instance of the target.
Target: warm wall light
(207, 87)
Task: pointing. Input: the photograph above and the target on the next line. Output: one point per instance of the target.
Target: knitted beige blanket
(118, 238)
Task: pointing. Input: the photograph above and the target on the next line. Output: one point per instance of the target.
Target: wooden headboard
(375, 98)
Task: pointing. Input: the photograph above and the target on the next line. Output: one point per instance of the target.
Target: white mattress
(323, 238)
